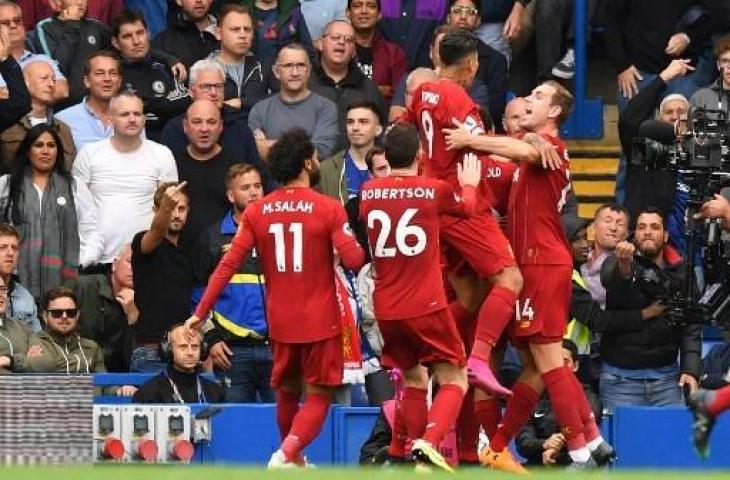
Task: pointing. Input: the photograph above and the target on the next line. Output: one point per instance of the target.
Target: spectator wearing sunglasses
(63, 350)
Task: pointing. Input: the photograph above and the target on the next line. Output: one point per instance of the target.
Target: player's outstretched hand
(469, 170)
(191, 324)
(457, 137)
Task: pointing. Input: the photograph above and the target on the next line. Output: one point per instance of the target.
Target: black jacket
(103, 319)
(637, 32)
(543, 424)
(163, 98)
(70, 43)
(493, 71)
(255, 86)
(644, 187)
(17, 104)
(182, 39)
(159, 389)
(355, 86)
(656, 343)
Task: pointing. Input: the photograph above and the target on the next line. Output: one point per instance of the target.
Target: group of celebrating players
(430, 219)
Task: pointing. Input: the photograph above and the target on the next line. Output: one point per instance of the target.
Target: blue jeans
(684, 85)
(247, 381)
(146, 360)
(619, 391)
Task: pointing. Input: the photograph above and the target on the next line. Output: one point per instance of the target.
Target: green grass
(139, 472)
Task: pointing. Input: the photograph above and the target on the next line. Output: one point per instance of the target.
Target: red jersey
(533, 219)
(435, 106)
(402, 217)
(499, 178)
(295, 232)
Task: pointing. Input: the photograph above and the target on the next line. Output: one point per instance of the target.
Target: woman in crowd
(54, 214)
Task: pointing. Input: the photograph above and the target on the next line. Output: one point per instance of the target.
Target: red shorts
(317, 363)
(541, 313)
(478, 241)
(423, 340)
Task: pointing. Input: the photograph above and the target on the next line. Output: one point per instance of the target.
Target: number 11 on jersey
(280, 246)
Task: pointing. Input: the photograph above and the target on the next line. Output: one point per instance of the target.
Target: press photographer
(647, 187)
(640, 363)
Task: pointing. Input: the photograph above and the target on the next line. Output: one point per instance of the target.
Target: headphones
(166, 344)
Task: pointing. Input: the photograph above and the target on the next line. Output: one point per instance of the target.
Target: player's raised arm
(517, 150)
(241, 246)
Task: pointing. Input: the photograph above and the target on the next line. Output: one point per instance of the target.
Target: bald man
(40, 80)
(180, 383)
(203, 163)
(513, 112)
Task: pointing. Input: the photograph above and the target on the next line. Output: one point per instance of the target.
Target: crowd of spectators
(134, 133)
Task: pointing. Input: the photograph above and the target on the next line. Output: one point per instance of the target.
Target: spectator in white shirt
(123, 173)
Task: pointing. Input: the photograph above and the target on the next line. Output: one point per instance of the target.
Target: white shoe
(565, 68)
(278, 462)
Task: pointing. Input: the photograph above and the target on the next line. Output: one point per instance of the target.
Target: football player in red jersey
(477, 240)
(402, 213)
(296, 232)
(539, 190)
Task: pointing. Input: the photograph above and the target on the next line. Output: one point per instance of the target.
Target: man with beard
(296, 232)
(163, 277)
(640, 364)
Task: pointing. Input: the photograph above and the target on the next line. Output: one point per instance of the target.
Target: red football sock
(562, 392)
(287, 406)
(496, 312)
(398, 436)
(443, 413)
(415, 411)
(306, 426)
(590, 428)
(720, 403)
(519, 408)
(467, 429)
(489, 414)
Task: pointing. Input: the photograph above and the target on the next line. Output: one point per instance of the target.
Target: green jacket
(332, 178)
(71, 354)
(15, 337)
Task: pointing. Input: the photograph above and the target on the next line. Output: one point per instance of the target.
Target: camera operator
(651, 187)
(640, 365)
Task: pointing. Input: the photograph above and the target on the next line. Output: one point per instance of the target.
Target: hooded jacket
(68, 354)
(182, 39)
(15, 338)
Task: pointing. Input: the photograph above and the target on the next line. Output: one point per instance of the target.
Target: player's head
(401, 146)
(549, 105)
(513, 113)
(651, 232)
(291, 156)
(458, 54)
(417, 78)
(377, 163)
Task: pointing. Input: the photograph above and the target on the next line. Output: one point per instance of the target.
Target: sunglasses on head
(60, 312)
